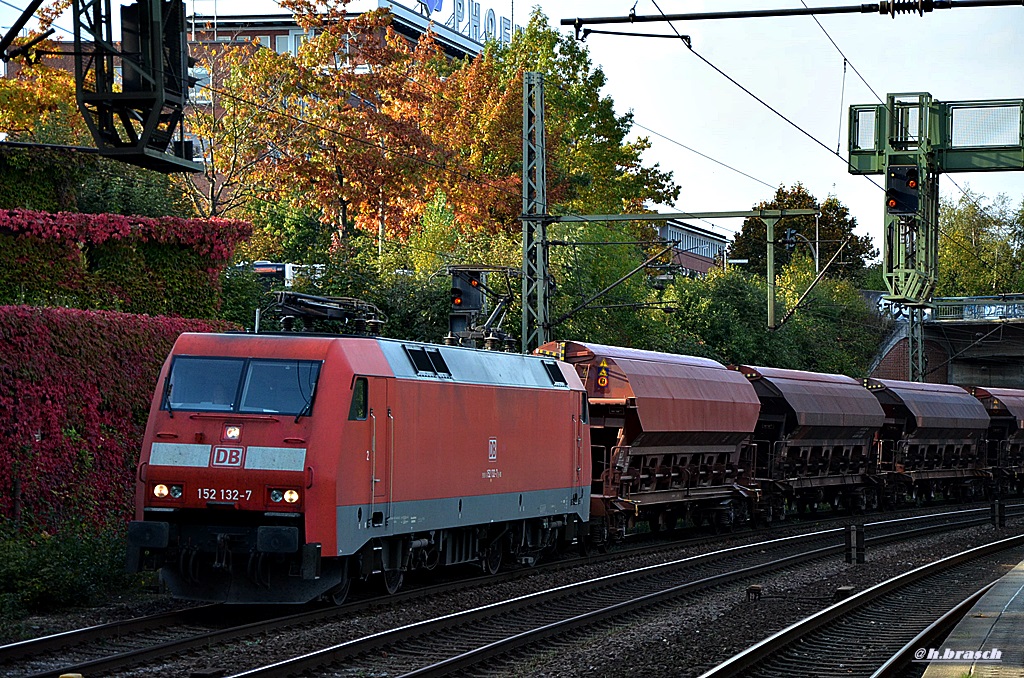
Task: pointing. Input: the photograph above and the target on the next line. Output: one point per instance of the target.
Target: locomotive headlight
(232, 432)
(291, 496)
(160, 491)
(276, 495)
(175, 491)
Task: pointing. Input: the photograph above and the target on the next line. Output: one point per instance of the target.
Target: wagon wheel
(491, 560)
(393, 580)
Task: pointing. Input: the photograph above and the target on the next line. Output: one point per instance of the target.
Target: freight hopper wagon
(932, 442)
(277, 468)
(668, 437)
(815, 439)
(1005, 451)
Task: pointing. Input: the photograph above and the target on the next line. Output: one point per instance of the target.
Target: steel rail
(137, 656)
(930, 636)
(756, 654)
(115, 630)
(42, 645)
(124, 627)
(373, 643)
(315, 660)
(478, 656)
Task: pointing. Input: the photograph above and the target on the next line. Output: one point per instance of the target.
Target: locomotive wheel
(491, 560)
(432, 559)
(393, 580)
(339, 593)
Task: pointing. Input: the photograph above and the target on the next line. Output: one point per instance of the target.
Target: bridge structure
(969, 341)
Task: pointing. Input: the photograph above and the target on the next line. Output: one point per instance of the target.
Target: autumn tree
(37, 104)
(369, 128)
(228, 130)
(834, 226)
(475, 112)
(331, 146)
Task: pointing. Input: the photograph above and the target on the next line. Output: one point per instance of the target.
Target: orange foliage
(38, 104)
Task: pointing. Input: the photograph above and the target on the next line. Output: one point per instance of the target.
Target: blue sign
(433, 5)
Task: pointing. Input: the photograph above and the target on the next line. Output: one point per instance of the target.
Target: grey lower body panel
(359, 523)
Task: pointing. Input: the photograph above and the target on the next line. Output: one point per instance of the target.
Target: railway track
(873, 632)
(111, 648)
(466, 641)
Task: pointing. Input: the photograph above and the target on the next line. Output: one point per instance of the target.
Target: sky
(955, 55)
(959, 54)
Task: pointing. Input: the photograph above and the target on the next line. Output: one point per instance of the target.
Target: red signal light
(912, 183)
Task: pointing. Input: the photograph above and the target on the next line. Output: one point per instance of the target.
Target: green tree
(981, 246)
(832, 330)
(592, 168)
(724, 317)
(833, 228)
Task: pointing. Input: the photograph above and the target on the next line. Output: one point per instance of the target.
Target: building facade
(696, 250)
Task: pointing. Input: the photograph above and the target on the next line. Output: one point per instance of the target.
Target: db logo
(227, 456)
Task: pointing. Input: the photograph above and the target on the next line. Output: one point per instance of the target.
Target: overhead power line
(892, 8)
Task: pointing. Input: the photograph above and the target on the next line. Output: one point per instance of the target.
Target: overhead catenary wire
(845, 59)
(36, 15)
(703, 155)
(800, 129)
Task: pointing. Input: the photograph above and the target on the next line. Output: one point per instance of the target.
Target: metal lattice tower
(535, 217)
(929, 137)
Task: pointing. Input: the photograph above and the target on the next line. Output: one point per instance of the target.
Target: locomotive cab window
(203, 384)
(279, 386)
(215, 384)
(357, 412)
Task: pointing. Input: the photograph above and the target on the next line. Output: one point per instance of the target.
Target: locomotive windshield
(241, 385)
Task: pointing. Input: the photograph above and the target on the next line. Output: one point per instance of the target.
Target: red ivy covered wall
(75, 389)
(159, 266)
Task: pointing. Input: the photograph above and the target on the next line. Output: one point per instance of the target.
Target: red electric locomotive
(277, 468)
